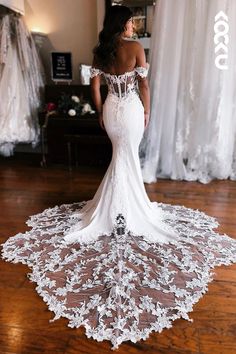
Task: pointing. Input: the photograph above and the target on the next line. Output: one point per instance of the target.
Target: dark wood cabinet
(73, 140)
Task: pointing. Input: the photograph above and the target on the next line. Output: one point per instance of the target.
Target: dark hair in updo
(113, 25)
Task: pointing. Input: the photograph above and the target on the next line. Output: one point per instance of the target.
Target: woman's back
(126, 57)
(129, 65)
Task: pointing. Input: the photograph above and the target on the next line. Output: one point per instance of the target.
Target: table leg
(69, 155)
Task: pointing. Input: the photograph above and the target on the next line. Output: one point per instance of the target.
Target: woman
(120, 265)
(119, 54)
(124, 116)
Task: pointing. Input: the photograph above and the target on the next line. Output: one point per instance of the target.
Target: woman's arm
(143, 83)
(96, 96)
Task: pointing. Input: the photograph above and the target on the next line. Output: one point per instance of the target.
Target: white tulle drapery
(192, 130)
(21, 83)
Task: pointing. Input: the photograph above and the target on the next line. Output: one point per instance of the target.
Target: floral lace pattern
(94, 72)
(121, 287)
(124, 84)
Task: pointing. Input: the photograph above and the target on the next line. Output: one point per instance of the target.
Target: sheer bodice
(122, 85)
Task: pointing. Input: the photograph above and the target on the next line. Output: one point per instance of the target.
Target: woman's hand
(100, 118)
(146, 119)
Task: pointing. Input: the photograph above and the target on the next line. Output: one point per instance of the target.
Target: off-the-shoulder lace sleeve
(142, 71)
(94, 72)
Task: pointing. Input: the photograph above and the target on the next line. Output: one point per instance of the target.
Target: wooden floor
(26, 189)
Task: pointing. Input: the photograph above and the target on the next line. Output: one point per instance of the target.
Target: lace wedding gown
(21, 84)
(121, 265)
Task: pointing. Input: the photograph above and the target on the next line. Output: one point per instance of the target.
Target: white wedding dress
(122, 191)
(21, 84)
(121, 265)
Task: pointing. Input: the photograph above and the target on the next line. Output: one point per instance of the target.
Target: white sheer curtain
(192, 130)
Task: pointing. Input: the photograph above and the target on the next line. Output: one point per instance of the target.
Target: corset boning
(121, 85)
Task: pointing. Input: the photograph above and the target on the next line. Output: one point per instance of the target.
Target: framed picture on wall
(61, 66)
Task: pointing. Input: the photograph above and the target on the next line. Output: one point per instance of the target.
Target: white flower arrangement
(75, 99)
(87, 109)
(74, 106)
(72, 112)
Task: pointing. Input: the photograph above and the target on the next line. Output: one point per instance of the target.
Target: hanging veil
(21, 83)
(192, 130)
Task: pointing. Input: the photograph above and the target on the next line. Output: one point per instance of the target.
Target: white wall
(70, 25)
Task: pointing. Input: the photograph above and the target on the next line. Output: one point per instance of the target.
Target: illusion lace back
(118, 264)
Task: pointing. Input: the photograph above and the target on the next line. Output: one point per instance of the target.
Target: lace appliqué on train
(121, 287)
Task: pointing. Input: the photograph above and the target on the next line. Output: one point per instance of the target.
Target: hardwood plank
(21, 341)
(212, 341)
(26, 189)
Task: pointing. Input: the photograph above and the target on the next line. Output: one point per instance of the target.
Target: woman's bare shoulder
(133, 42)
(133, 45)
(136, 47)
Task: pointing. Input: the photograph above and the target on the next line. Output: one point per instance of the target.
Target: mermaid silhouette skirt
(122, 191)
(118, 264)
